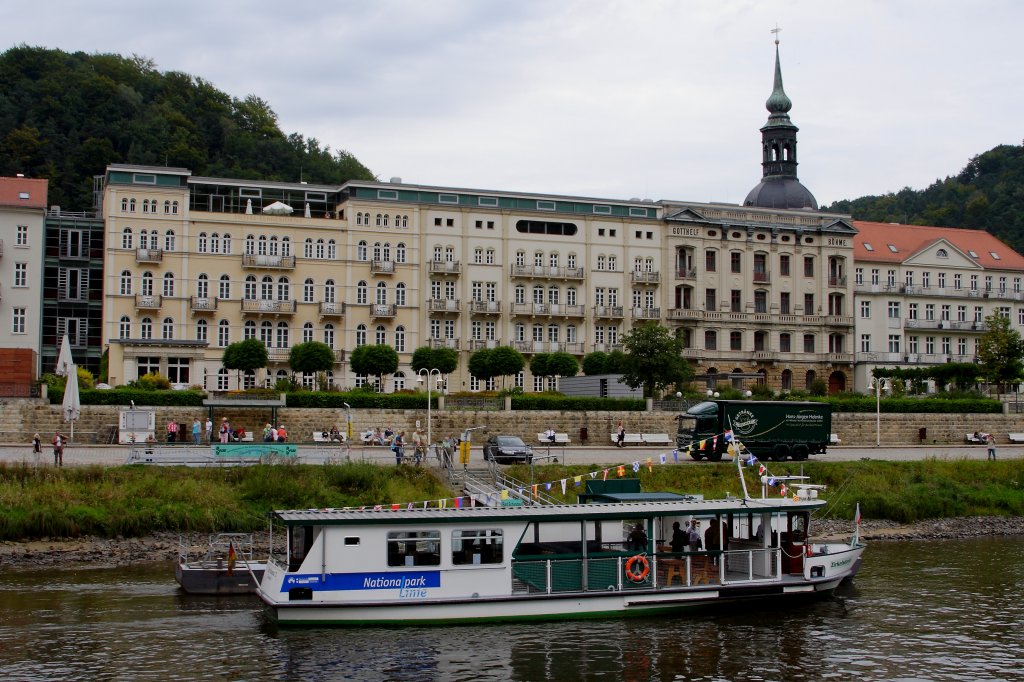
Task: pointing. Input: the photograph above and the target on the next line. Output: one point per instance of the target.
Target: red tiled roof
(909, 239)
(11, 189)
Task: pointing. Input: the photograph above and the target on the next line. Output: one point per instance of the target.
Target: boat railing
(605, 573)
(218, 548)
(522, 490)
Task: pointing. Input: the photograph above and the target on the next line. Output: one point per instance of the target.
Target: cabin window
(414, 548)
(351, 541)
(482, 546)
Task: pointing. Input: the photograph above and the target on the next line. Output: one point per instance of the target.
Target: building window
(146, 328)
(865, 310)
(168, 284)
(785, 343)
(710, 340)
(360, 335)
(894, 343)
(735, 340)
(784, 265)
(808, 266)
(21, 274)
(808, 343)
(167, 329)
(735, 262)
(17, 320)
(329, 335)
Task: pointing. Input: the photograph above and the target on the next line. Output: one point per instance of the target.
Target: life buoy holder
(643, 570)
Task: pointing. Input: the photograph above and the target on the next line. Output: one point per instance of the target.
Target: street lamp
(429, 373)
(879, 384)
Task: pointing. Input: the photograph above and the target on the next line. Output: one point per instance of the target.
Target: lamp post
(429, 373)
(879, 384)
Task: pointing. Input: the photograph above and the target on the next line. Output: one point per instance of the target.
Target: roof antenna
(776, 31)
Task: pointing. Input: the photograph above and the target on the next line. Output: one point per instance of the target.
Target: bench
(655, 439)
(560, 439)
(974, 440)
(318, 437)
(834, 439)
(1016, 437)
(630, 439)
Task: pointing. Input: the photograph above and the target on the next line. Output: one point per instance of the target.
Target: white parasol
(72, 405)
(278, 208)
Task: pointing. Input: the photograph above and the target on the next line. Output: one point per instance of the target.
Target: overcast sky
(614, 99)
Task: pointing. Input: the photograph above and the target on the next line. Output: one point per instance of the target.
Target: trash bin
(583, 434)
(922, 434)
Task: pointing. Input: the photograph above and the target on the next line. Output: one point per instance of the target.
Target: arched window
(361, 293)
(222, 379)
(332, 249)
(329, 291)
(250, 245)
(168, 329)
(284, 289)
(381, 336)
(214, 243)
(286, 246)
(147, 284)
(400, 294)
(131, 205)
(267, 333)
(307, 291)
(202, 286)
(261, 245)
(400, 252)
(272, 250)
(282, 335)
(126, 283)
(360, 250)
(201, 243)
(224, 290)
(387, 219)
(124, 328)
(382, 293)
(202, 330)
(126, 238)
(124, 204)
(387, 251)
(380, 220)
(223, 333)
(329, 335)
(225, 243)
(307, 332)
(360, 335)
(553, 295)
(400, 339)
(250, 288)
(169, 240)
(267, 288)
(319, 248)
(359, 218)
(307, 248)
(146, 328)
(405, 221)
(168, 284)
(249, 330)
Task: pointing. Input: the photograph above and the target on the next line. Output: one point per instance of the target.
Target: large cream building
(194, 264)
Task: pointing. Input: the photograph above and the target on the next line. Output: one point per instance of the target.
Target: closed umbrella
(64, 359)
(72, 406)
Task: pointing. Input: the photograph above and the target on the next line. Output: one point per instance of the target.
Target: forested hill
(988, 194)
(64, 117)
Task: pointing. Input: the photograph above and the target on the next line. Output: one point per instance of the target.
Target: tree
(1000, 352)
(244, 356)
(558, 364)
(481, 365)
(444, 359)
(595, 363)
(376, 360)
(311, 357)
(506, 361)
(653, 359)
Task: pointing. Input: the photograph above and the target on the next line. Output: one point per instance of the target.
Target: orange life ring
(645, 568)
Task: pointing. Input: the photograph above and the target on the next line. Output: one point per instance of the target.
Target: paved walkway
(597, 454)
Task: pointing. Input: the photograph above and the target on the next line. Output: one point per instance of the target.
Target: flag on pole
(856, 527)
(232, 557)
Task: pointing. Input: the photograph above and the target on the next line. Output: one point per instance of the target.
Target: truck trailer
(773, 430)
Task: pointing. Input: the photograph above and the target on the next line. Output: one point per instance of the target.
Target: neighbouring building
(193, 264)
(921, 294)
(22, 210)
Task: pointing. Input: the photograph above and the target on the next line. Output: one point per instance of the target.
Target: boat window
(414, 548)
(351, 541)
(481, 546)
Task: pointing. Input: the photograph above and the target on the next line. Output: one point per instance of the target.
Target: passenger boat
(394, 565)
(225, 566)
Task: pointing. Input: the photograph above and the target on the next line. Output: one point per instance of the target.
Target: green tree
(506, 361)
(243, 356)
(480, 364)
(311, 357)
(1000, 352)
(444, 359)
(376, 360)
(562, 364)
(595, 363)
(653, 359)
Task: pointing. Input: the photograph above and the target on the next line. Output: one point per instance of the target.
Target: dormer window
(942, 253)
(994, 255)
(868, 247)
(893, 248)
(972, 254)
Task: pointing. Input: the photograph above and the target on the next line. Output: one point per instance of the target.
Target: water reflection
(921, 610)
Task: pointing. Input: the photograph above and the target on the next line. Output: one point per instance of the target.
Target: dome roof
(776, 192)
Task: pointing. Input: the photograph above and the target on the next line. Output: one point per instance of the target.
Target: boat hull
(203, 578)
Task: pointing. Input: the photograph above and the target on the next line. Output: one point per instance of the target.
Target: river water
(923, 610)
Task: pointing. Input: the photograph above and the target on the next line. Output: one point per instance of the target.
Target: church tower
(779, 186)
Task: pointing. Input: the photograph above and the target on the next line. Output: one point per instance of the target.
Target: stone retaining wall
(20, 418)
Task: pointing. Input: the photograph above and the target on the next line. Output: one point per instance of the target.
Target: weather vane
(776, 32)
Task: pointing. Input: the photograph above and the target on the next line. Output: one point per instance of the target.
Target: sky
(654, 99)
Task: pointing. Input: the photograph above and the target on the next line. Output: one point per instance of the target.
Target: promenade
(114, 455)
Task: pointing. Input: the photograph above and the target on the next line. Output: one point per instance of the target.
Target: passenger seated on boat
(637, 541)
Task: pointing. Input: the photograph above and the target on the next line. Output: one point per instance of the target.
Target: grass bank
(135, 501)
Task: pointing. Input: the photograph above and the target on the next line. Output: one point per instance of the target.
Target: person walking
(209, 430)
(991, 441)
(58, 449)
(197, 429)
(398, 446)
(620, 436)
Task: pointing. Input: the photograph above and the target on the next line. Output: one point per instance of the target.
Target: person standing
(680, 538)
(58, 449)
(991, 441)
(209, 430)
(620, 435)
(196, 430)
(172, 431)
(694, 536)
(397, 445)
(282, 435)
(225, 430)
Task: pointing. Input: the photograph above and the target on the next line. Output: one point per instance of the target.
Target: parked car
(506, 449)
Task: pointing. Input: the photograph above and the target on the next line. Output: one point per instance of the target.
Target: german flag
(231, 558)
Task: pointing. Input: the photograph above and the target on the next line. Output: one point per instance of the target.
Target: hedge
(577, 403)
(125, 396)
(361, 400)
(915, 405)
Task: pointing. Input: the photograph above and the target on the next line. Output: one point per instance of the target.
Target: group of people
(332, 436)
(59, 442)
(177, 432)
(378, 436)
(690, 538)
(274, 434)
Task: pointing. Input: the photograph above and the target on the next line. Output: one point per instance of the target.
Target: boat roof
(403, 515)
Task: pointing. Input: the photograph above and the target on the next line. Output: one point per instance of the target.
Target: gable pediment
(687, 215)
(931, 255)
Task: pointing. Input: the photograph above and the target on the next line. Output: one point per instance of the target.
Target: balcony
(646, 313)
(147, 301)
(685, 314)
(443, 305)
(608, 312)
(444, 343)
(383, 310)
(202, 304)
(574, 347)
(332, 309)
(382, 267)
(607, 347)
(480, 344)
(267, 306)
(640, 277)
(838, 281)
(546, 272)
(764, 356)
(684, 273)
(840, 358)
(548, 309)
(149, 255)
(761, 277)
(485, 307)
(267, 262)
(444, 267)
(566, 310)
